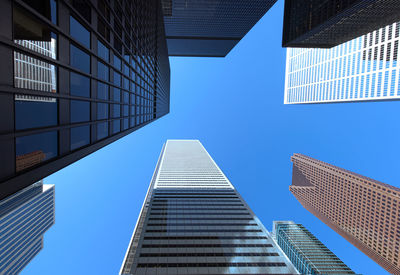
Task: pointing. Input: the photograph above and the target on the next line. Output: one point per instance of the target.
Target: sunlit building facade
(364, 211)
(75, 76)
(24, 218)
(363, 69)
(193, 221)
(308, 254)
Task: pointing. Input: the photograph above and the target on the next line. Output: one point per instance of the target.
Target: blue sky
(234, 106)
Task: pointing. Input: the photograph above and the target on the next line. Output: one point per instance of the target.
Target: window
(117, 95)
(80, 136)
(80, 111)
(117, 79)
(79, 32)
(102, 111)
(47, 8)
(34, 149)
(35, 111)
(117, 62)
(83, 7)
(102, 91)
(79, 85)
(79, 59)
(125, 123)
(116, 126)
(102, 130)
(102, 71)
(102, 51)
(116, 110)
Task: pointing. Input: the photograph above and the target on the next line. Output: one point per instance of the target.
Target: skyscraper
(209, 28)
(193, 221)
(75, 76)
(362, 69)
(328, 23)
(305, 251)
(24, 218)
(364, 211)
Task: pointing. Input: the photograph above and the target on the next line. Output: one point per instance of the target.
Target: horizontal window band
(196, 204)
(221, 214)
(203, 245)
(207, 254)
(199, 200)
(202, 224)
(183, 193)
(207, 238)
(263, 264)
(193, 197)
(203, 230)
(160, 209)
(199, 219)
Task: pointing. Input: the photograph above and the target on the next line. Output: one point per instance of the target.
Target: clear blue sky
(234, 106)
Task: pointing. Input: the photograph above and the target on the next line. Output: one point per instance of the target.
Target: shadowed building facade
(308, 254)
(328, 23)
(24, 218)
(75, 76)
(193, 221)
(364, 211)
(209, 27)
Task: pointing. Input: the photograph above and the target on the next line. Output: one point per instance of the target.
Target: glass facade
(193, 221)
(362, 69)
(24, 218)
(74, 88)
(305, 251)
(209, 28)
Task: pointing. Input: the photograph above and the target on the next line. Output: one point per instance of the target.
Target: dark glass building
(328, 23)
(209, 28)
(75, 76)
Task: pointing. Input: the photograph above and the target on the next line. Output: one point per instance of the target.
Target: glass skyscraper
(76, 75)
(24, 218)
(209, 28)
(308, 254)
(362, 69)
(328, 23)
(193, 221)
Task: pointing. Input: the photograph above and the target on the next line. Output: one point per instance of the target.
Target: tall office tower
(364, 211)
(193, 221)
(362, 69)
(305, 251)
(328, 23)
(24, 218)
(209, 28)
(75, 76)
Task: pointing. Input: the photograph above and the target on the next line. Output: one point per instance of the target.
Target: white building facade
(193, 221)
(362, 69)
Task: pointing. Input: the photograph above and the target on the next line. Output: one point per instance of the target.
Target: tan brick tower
(362, 210)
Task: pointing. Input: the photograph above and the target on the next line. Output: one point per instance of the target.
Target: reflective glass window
(126, 83)
(34, 149)
(133, 99)
(83, 7)
(132, 124)
(102, 71)
(47, 8)
(126, 69)
(117, 79)
(80, 136)
(117, 62)
(102, 111)
(117, 95)
(79, 85)
(80, 111)
(116, 110)
(103, 51)
(116, 126)
(126, 97)
(102, 91)
(79, 32)
(126, 123)
(79, 59)
(126, 110)
(35, 111)
(102, 130)
(34, 74)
